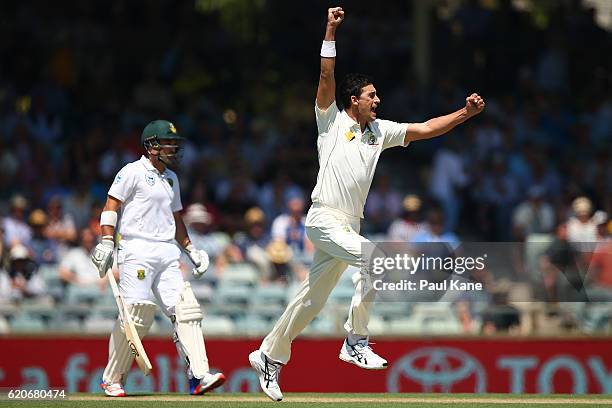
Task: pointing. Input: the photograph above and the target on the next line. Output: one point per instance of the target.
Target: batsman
(349, 143)
(146, 193)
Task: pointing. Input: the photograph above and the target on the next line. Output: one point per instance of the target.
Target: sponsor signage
(415, 365)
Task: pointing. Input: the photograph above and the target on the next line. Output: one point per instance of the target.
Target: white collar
(350, 122)
(149, 166)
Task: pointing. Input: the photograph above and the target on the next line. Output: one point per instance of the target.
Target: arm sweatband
(108, 218)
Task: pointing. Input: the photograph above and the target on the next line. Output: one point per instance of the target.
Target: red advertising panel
(415, 365)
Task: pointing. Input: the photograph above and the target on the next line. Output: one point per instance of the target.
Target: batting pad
(188, 332)
(120, 355)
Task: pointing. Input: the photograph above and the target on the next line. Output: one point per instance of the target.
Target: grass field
(323, 400)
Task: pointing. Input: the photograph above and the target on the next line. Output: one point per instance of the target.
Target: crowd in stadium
(72, 105)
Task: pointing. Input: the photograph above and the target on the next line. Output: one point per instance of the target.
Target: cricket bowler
(349, 145)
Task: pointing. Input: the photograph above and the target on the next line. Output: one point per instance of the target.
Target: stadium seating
(273, 294)
(228, 294)
(243, 274)
(218, 326)
(237, 303)
(27, 322)
(99, 324)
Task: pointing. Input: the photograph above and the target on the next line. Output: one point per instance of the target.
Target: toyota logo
(437, 366)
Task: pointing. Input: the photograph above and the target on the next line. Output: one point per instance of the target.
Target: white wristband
(108, 218)
(328, 49)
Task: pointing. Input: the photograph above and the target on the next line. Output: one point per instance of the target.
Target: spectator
(501, 316)
(434, 230)
(465, 317)
(236, 195)
(447, 176)
(533, 216)
(280, 256)
(405, 228)
(275, 194)
(604, 229)
(383, 205)
(581, 227)
(600, 267)
(497, 193)
(289, 228)
(561, 266)
(199, 221)
(434, 242)
(115, 158)
(25, 282)
(45, 250)
(256, 234)
(488, 137)
(61, 226)
(16, 230)
(252, 244)
(78, 204)
(546, 175)
(93, 222)
(76, 267)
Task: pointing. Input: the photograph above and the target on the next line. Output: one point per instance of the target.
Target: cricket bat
(128, 327)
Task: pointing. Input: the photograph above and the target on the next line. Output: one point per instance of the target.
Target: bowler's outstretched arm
(474, 104)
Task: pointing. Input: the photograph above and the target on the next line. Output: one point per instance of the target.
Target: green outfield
(324, 400)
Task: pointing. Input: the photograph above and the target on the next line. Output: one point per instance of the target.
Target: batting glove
(102, 256)
(200, 259)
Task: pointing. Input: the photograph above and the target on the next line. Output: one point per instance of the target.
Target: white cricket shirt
(348, 158)
(149, 200)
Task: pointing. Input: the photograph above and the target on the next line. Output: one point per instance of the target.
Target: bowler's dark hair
(352, 85)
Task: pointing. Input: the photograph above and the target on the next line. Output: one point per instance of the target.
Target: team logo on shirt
(349, 136)
(372, 140)
(140, 274)
(118, 178)
(150, 179)
(170, 181)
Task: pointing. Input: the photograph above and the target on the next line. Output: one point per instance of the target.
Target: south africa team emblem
(150, 179)
(140, 274)
(372, 139)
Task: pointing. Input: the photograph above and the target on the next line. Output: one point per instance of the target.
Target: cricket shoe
(113, 389)
(362, 355)
(210, 381)
(268, 371)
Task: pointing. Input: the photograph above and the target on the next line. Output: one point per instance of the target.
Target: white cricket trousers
(150, 267)
(338, 244)
(147, 268)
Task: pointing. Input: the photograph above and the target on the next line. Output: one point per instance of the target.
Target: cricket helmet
(154, 138)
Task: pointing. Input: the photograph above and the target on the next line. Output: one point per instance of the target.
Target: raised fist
(474, 104)
(335, 15)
